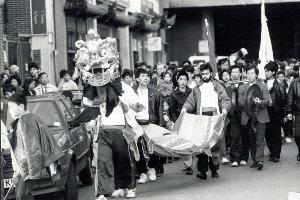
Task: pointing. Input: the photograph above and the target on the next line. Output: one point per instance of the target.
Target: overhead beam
(214, 3)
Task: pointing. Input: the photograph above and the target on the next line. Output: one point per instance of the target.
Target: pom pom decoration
(97, 59)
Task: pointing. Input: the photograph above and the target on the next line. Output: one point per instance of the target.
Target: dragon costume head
(98, 62)
(97, 59)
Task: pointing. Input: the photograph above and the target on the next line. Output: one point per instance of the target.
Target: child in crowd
(66, 83)
(167, 78)
(127, 77)
(167, 122)
(197, 79)
(225, 77)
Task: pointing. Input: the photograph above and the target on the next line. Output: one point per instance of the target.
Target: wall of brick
(1, 36)
(18, 21)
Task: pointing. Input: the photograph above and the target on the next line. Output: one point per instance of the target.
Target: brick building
(1, 35)
(45, 31)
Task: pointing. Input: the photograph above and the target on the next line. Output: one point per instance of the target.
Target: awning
(85, 9)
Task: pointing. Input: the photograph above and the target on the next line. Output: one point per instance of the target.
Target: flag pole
(212, 56)
(265, 49)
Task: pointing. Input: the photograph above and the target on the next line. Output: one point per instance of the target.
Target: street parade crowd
(258, 112)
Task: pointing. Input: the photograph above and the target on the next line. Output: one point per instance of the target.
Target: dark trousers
(204, 161)
(115, 164)
(141, 165)
(157, 163)
(253, 141)
(235, 146)
(23, 190)
(297, 131)
(273, 133)
(152, 161)
(287, 128)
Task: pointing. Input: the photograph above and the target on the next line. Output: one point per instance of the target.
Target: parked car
(56, 111)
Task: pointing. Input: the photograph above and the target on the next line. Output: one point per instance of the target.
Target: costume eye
(103, 52)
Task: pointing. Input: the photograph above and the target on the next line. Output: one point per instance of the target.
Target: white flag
(265, 49)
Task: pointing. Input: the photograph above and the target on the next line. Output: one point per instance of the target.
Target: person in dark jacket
(179, 95)
(148, 99)
(160, 70)
(293, 107)
(276, 112)
(34, 71)
(287, 125)
(33, 147)
(254, 139)
(28, 87)
(234, 115)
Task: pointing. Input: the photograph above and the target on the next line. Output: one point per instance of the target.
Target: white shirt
(270, 84)
(70, 85)
(209, 97)
(143, 99)
(44, 89)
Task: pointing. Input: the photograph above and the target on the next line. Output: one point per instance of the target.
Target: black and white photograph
(150, 99)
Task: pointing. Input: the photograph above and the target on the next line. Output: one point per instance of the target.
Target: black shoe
(214, 174)
(298, 157)
(275, 159)
(260, 165)
(271, 159)
(202, 175)
(189, 171)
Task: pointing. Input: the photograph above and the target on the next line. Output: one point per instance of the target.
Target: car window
(47, 111)
(65, 110)
(70, 107)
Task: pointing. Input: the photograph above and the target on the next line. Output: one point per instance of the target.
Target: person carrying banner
(254, 99)
(209, 98)
(276, 108)
(148, 98)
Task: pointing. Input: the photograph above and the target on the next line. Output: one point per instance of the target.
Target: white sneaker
(152, 174)
(131, 193)
(143, 178)
(118, 193)
(101, 197)
(243, 163)
(225, 161)
(234, 164)
(288, 140)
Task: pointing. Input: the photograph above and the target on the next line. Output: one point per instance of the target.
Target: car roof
(50, 96)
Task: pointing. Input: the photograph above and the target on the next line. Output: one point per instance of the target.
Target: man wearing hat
(254, 99)
(14, 70)
(275, 110)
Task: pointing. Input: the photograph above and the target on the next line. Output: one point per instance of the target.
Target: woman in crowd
(28, 86)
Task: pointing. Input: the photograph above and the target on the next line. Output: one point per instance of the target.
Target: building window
(76, 30)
